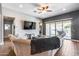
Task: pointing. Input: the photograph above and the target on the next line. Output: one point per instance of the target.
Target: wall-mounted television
(29, 25)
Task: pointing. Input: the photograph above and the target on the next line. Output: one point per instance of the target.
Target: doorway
(8, 26)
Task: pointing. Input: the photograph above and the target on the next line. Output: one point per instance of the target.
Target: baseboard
(75, 40)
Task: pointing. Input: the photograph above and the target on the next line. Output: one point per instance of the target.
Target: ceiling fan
(42, 8)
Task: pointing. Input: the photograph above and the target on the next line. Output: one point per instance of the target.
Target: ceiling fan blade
(49, 10)
(35, 11)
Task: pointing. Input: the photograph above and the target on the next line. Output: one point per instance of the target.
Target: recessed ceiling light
(64, 9)
(21, 6)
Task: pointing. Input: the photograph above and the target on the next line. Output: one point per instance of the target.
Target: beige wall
(19, 17)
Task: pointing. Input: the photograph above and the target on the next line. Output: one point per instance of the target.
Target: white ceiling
(28, 8)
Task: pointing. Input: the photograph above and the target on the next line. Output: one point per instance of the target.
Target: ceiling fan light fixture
(43, 8)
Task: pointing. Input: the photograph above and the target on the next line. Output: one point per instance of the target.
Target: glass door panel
(58, 26)
(52, 29)
(67, 29)
(47, 29)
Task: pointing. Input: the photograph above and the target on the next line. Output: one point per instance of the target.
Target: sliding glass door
(53, 28)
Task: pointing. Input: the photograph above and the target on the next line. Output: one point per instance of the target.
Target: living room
(19, 19)
(36, 21)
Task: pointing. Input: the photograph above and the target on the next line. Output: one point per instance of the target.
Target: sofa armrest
(22, 47)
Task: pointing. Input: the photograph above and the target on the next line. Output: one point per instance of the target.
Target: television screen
(29, 25)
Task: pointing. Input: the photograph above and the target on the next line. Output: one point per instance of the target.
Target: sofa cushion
(44, 44)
